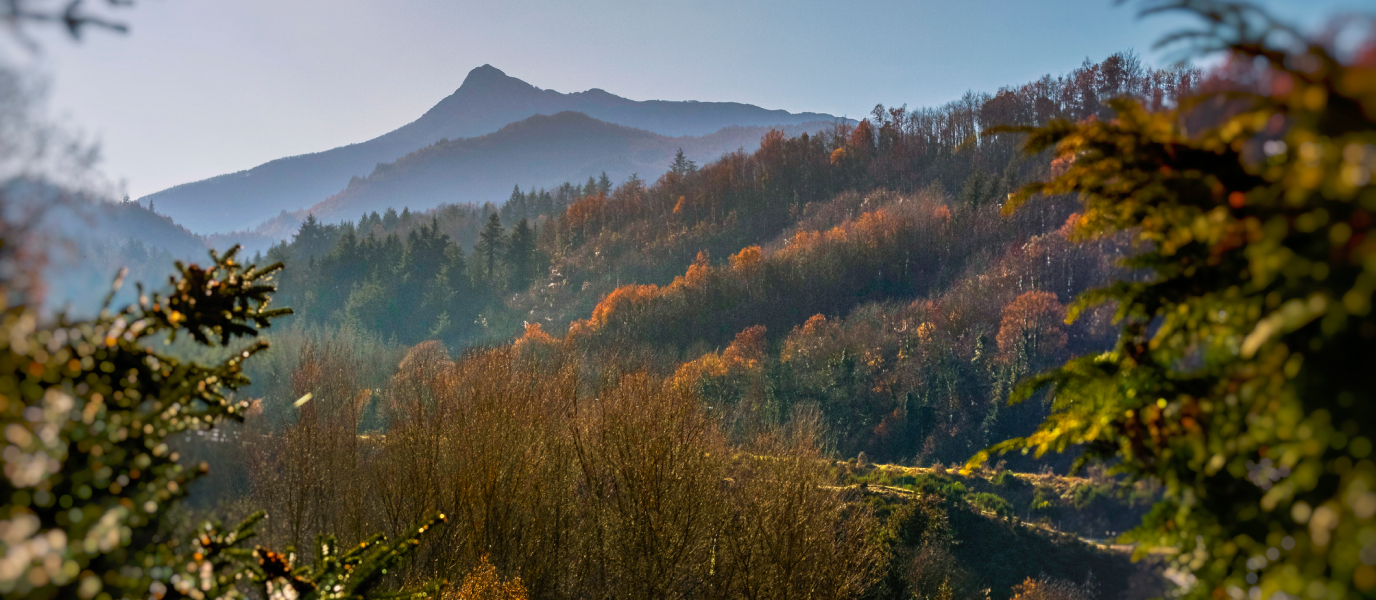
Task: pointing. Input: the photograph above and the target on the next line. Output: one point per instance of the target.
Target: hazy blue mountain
(85, 241)
(540, 151)
(487, 101)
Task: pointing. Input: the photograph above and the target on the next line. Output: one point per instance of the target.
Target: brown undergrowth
(607, 484)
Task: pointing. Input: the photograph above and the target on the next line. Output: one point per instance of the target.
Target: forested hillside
(854, 293)
(693, 356)
(541, 150)
(863, 270)
(90, 240)
(1099, 336)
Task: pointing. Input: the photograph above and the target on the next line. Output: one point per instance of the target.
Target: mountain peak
(487, 101)
(484, 76)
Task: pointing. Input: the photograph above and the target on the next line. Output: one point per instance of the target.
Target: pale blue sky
(204, 87)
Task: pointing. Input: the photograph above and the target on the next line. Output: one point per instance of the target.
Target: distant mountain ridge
(487, 100)
(540, 151)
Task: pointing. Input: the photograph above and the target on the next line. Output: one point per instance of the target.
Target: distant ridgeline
(864, 269)
(494, 129)
(87, 241)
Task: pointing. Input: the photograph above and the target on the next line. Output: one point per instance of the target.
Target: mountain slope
(487, 100)
(541, 151)
(87, 241)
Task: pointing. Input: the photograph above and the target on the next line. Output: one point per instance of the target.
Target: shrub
(991, 503)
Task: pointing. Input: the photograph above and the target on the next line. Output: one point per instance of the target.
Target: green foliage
(992, 503)
(1241, 376)
(1085, 495)
(521, 255)
(88, 409)
(1039, 502)
(353, 572)
(410, 287)
(935, 542)
(491, 247)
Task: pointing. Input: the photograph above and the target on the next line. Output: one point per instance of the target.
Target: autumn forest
(1098, 335)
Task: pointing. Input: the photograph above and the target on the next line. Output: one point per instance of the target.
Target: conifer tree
(89, 408)
(515, 207)
(521, 255)
(681, 165)
(1241, 376)
(491, 246)
(312, 239)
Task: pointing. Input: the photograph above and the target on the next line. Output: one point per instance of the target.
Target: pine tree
(313, 239)
(544, 205)
(490, 246)
(604, 184)
(681, 165)
(515, 207)
(520, 255)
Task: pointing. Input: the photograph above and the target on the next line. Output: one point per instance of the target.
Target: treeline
(409, 277)
(532, 203)
(649, 232)
(591, 237)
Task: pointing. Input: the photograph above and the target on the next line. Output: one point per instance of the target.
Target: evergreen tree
(563, 197)
(390, 220)
(546, 240)
(521, 255)
(681, 165)
(544, 205)
(515, 205)
(91, 408)
(312, 239)
(604, 184)
(1242, 374)
(976, 188)
(490, 246)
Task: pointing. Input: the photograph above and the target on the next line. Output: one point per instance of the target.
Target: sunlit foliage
(620, 487)
(484, 583)
(1031, 326)
(89, 409)
(1241, 378)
